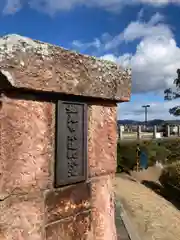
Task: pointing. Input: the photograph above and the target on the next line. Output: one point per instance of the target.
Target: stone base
(83, 211)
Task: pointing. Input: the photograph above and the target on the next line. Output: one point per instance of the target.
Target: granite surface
(26, 145)
(103, 218)
(67, 202)
(27, 63)
(74, 228)
(102, 139)
(22, 217)
(32, 208)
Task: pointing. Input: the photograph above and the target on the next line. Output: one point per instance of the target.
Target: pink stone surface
(102, 143)
(102, 140)
(26, 160)
(103, 217)
(27, 134)
(26, 168)
(21, 217)
(67, 202)
(77, 227)
(26, 152)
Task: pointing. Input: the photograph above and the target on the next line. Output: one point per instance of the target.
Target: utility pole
(146, 113)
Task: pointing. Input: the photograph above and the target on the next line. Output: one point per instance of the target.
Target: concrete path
(125, 229)
(153, 216)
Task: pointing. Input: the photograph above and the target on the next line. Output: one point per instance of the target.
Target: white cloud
(135, 30)
(109, 57)
(96, 43)
(99, 44)
(138, 29)
(153, 64)
(12, 6)
(52, 6)
(156, 18)
(140, 14)
(157, 110)
(156, 59)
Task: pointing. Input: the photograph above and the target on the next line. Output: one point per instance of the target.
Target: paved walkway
(153, 216)
(121, 229)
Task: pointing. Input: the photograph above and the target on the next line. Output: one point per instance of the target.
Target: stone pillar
(36, 148)
(154, 131)
(120, 132)
(168, 131)
(178, 130)
(139, 132)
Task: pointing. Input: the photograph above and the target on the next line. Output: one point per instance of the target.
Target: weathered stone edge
(97, 78)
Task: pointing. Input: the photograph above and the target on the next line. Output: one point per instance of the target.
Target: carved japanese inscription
(71, 143)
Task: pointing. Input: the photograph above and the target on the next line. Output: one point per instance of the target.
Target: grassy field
(163, 150)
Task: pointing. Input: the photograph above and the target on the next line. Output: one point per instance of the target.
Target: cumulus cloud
(153, 64)
(139, 29)
(156, 59)
(52, 6)
(134, 110)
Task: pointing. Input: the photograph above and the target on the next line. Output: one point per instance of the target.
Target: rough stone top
(31, 64)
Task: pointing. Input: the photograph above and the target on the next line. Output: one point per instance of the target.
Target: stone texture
(22, 217)
(35, 65)
(102, 139)
(67, 202)
(103, 217)
(32, 208)
(62, 211)
(74, 228)
(26, 145)
(27, 155)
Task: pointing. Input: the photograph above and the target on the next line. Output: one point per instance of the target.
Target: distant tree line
(169, 95)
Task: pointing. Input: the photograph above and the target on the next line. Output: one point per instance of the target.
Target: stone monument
(58, 137)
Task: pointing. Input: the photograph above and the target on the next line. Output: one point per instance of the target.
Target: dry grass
(153, 216)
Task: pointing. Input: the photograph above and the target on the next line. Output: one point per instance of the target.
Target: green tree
(169, 95)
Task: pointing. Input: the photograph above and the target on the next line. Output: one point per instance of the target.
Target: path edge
(128, 225)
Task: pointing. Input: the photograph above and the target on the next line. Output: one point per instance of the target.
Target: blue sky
(141, 34)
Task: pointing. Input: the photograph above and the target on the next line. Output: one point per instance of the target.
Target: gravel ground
(153, 217)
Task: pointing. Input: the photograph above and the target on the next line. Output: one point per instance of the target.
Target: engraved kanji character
(71, 108)
(72, 122)
(72, 154)
(72, 142)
